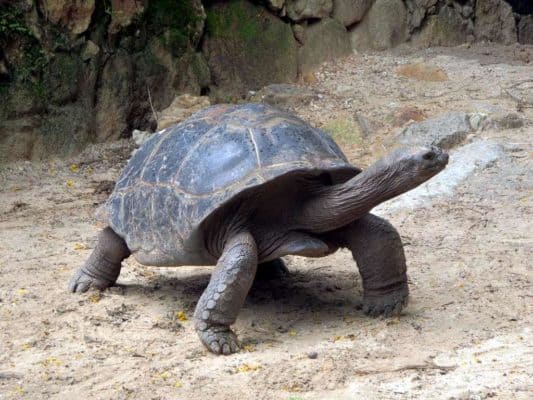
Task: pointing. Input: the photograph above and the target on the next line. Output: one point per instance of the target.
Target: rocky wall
(74, 72)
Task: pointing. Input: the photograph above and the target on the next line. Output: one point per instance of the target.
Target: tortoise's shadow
(311, 294)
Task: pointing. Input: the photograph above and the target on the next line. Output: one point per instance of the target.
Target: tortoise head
(407, 168)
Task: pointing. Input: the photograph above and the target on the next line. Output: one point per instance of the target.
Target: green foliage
(173, 21)
(344, 131)
(235, 19)
(12, 23)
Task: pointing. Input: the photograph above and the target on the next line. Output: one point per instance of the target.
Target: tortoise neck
(336, 206)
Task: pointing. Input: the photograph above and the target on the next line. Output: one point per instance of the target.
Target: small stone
(90, 50)
(205, 314)
(312, 355)
(211, 304)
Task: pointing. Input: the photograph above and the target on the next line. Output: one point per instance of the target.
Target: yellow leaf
(95, 297)
(79, 246)
(27, 346)
(248, 367)
(19, 390)
(70, 183)
(292, 333)
(249, 348)
(181, 316)
(165, 375)
(22, 292)
(54, 361)
(178, 384)
(337, 337)
(74, 168)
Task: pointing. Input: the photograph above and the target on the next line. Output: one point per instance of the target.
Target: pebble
(312, 355)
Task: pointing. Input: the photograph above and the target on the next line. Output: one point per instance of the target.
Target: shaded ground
(466, 333)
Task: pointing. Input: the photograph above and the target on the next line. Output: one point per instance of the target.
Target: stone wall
(74, 72)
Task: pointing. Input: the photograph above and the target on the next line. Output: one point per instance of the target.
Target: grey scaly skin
(329, 217)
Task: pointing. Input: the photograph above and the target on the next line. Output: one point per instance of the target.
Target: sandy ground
(466, 333)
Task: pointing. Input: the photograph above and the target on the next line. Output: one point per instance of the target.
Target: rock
(422, 72)
(275, 5)
(247, 48)
(525, 29)
(494, 22)
(384, 27)
(180, 109)
(191, 74)
(348, 12)
(508, 121)
(89, 51)
(139, 137)
(123, 12)
(446, 131)
(299, 33)
(463, 163)
(478, 121)
(325, 40)
(62, 76)
(285, 95)
(113, 98)
(75, 15)
(447, 28)
(312, 355)
(298, 10)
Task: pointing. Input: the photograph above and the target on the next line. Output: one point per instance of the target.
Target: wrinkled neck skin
(338, 205)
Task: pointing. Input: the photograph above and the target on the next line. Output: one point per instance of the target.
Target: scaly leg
(223, 298)
(102, 268)
(378, 251)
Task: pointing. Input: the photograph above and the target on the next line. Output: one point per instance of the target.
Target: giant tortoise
(240, 185)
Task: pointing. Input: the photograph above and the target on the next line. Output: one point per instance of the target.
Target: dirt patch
(466, 333)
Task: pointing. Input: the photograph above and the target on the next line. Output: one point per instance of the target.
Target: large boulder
(324, 40)
(113, 97)
(384, 27)
(74, 15)
(348, 12)
(494, 22)
(525, 29)
(247, 48)
(123, 12)
(447, 28)
(298, 10)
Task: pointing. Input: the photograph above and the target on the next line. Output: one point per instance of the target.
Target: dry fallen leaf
(181, 316)
(95, 297)
(248, 367)
(70, 183)
(249, 348)
(79, 246)
(74, 168)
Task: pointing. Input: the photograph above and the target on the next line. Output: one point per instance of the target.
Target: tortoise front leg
(378, 251)
(102, 268)
(223, 298)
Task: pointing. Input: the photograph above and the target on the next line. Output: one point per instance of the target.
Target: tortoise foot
(83, 280)
(388, 304)
(219, 340)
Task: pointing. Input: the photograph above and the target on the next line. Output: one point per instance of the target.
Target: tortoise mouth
(434, 159)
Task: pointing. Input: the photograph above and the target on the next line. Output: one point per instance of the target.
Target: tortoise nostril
(430, 155)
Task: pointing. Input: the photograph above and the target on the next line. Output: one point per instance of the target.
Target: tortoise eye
(430, 155)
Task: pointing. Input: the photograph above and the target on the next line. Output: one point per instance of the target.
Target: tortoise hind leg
(102, 268)
(378, 251)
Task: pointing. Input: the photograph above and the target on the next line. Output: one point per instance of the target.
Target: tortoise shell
(184, 173)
